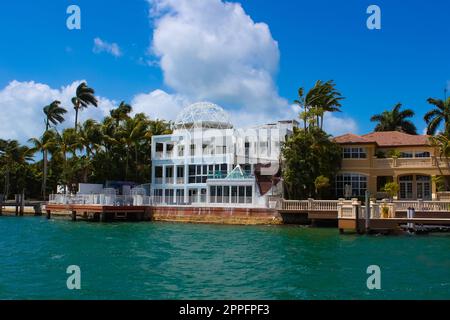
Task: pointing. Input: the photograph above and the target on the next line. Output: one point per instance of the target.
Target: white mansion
(208, 162)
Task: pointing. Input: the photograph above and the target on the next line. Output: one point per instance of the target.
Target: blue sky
(251, 71)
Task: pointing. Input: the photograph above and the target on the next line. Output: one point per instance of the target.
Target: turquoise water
(182, 261)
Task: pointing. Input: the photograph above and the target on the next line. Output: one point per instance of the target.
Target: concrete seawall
(232, 216)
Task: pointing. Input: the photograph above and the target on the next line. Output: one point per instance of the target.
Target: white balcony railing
(404, 163)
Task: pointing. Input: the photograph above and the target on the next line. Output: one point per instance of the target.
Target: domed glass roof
(203, 115)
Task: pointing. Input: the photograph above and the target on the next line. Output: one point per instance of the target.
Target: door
(406, 187)
(193, 196)
(423, 187)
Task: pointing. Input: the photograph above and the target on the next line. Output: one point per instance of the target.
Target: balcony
(389, 163)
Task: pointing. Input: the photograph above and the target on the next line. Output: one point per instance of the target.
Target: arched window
(351, 185)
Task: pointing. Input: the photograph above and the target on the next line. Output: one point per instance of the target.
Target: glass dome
(203, 115)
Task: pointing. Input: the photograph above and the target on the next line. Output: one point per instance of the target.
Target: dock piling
(367, 226)
(22, 203)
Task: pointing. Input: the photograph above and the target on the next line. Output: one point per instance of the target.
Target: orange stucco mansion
(372, 160)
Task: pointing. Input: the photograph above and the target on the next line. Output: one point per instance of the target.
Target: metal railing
(100, 200)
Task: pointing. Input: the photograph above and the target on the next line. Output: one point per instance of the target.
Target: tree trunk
(76, 117)
(44, 180)
(7, 184)
(126, 163)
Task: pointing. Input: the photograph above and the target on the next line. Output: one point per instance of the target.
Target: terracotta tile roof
(385, 139)
(351, 138)
(395, 138)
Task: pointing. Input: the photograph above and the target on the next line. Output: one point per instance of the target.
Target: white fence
(100, 200)
(309, 205)
(423, 206)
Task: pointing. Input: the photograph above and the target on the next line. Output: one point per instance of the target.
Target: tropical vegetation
(395, 120)
(117, 148)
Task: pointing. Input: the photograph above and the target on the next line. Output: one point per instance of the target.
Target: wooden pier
(101, 213)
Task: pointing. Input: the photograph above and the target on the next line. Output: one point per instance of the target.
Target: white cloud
(159, 104)
(207, 50)
(22, 102)
(212, 50)
(339, 125)
(104, 46)
(333, 124)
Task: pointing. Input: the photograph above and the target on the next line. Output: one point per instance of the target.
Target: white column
(163, 174)
(186, 193)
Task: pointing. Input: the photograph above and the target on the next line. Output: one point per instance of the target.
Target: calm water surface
(182, 261)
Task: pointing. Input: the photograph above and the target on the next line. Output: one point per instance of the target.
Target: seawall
(232, 216)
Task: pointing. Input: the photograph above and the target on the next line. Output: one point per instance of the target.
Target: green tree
(121, 112)
(44, 144)
(14, 159)
(322, 98)
(392, 189)
(441, 143)
(54, 114)
(321, 183)
(440, 114)
(309, 154)
(395, 120)
(84, 97)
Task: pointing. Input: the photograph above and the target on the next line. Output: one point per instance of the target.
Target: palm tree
(395, 120)
(90, 139)
(121, 113)
(84, 98)
(131, 134)
(308, 101)
(321, 98)
(45, 143)
(67, 143)
(13, 158)
(330, 100)
(435, 117)
(54, 114)
(441, 143)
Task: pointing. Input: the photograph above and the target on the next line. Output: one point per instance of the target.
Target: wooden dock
(101, 213)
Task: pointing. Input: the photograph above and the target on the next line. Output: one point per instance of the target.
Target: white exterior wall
(264, 147)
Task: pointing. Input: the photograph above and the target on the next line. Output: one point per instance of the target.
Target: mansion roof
(384, 139)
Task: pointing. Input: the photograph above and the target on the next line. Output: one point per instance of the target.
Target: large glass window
(406, 187)
(406, 155)
(351, 185)
(169, 196)
(169, 175)
(423, 154)
(241, 194)
(248, 194)
(201, 173)
(354, 153)
(234, 194)
(181, 150)
(212, 194)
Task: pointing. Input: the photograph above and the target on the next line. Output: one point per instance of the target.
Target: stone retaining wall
(235, 216)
